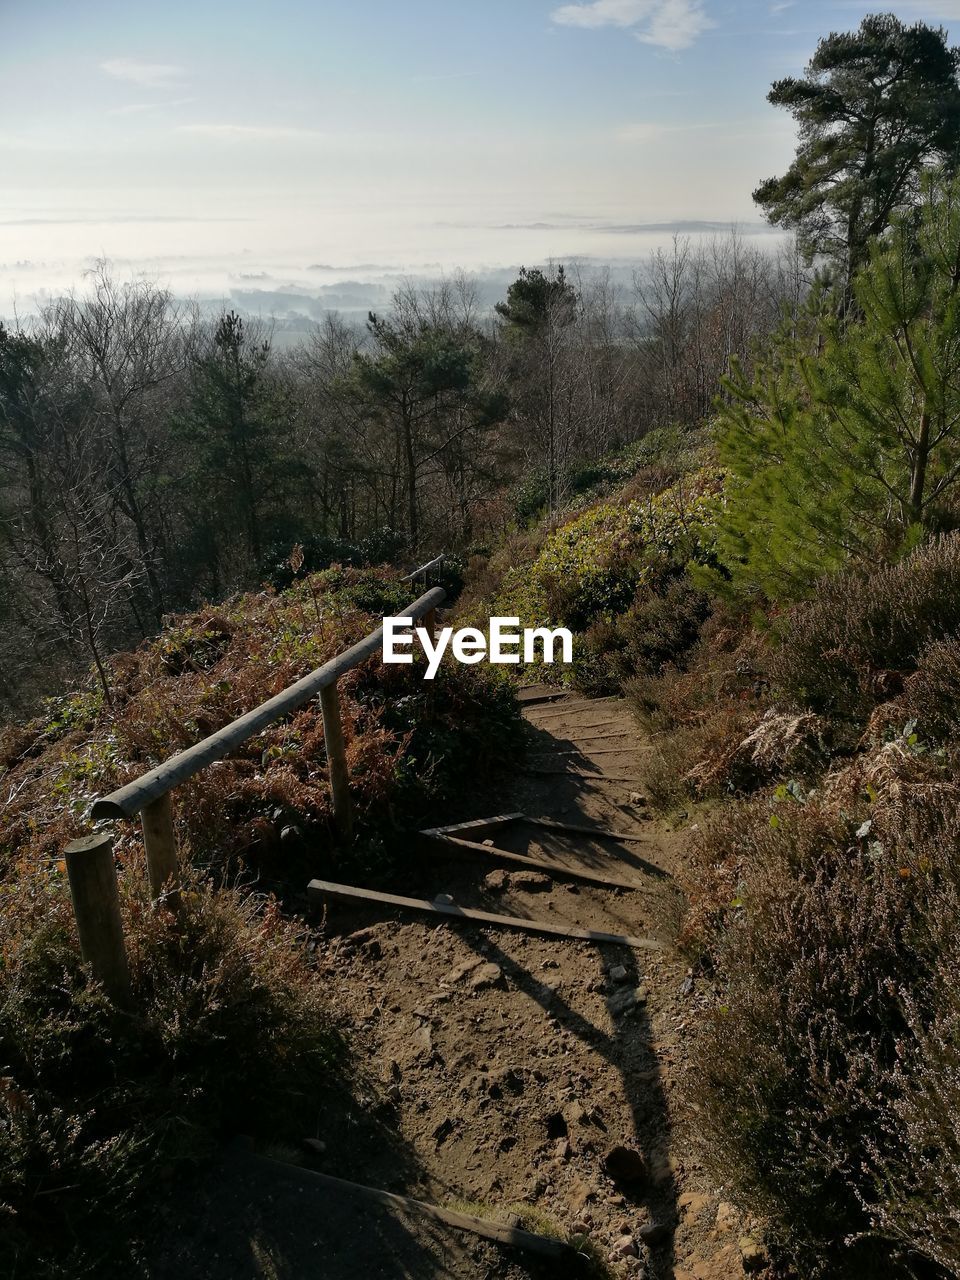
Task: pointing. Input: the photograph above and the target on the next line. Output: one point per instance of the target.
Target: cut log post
(96, 904)
(337, 759)
(430, 623)
(160, 842)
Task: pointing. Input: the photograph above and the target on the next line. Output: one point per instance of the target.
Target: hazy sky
(219, 143)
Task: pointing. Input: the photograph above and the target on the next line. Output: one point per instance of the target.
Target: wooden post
(430, 623)
(160, 842)
(96, 905)
(337, 758)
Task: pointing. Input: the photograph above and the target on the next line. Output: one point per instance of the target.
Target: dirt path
(505, 1067)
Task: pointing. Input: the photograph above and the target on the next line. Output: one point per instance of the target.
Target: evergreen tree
(423, 381)
(875, 108)
(539, 310)
(846, 442)
(242, 476)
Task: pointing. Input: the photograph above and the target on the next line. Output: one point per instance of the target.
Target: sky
(264, 149)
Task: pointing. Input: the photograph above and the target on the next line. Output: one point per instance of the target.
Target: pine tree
(846, 442)
(876, 108)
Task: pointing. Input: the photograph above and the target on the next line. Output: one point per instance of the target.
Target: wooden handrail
(150, 795)
(128, 801)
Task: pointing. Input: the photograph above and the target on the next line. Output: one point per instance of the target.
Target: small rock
(625, 1247)
(442, 1131)
(625, 1164)
(574, 1114)
(618, 973)
(443, 899)
(654, 1233)
(488, 843)
(664, 1169)
(692, 1204)
(486, 976)
(497, 880)
(563, 1150)
(422, 1041)
(621, 1001)
(361, 937)
(505, 1080)
(580, 1194)
(727, 1216)
(531, 881)
(462, 970)
(752, 1254)
(637, 799)
(687, 987)
(579, 1228)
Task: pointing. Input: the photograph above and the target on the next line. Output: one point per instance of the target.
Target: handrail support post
(160, 843)
(92, 874)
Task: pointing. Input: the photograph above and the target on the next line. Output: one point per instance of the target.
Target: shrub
(930, 697)
(230, 1034)
(660, 627)
(319, 551)
(830, 927)
(853, 645)
(593, 565)
(211, 666)
(702, 716)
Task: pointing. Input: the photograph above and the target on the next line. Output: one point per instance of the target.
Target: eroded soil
(500, 1069)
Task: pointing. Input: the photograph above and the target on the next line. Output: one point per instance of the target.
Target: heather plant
(828, 922)
(229, 1033)
(863, 635)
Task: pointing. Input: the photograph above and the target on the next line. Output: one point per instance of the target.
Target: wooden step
(514, 1237)
(559, 870)
(321, 891)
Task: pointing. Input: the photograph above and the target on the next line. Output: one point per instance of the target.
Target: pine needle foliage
(845, 443)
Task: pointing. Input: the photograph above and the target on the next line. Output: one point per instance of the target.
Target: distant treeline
(151, 457)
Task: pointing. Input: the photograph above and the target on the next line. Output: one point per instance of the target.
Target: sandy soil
(510, 1073)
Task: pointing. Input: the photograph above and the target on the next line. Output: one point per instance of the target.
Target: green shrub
(660, 627)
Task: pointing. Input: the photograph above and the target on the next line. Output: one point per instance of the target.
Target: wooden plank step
(579, 704)
(325, 890)
(560, 870)
(594, 724)
(541, 699)
(573, 773)
(602, 737)
(475, 826)
(585, 830)
(514, 1237)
